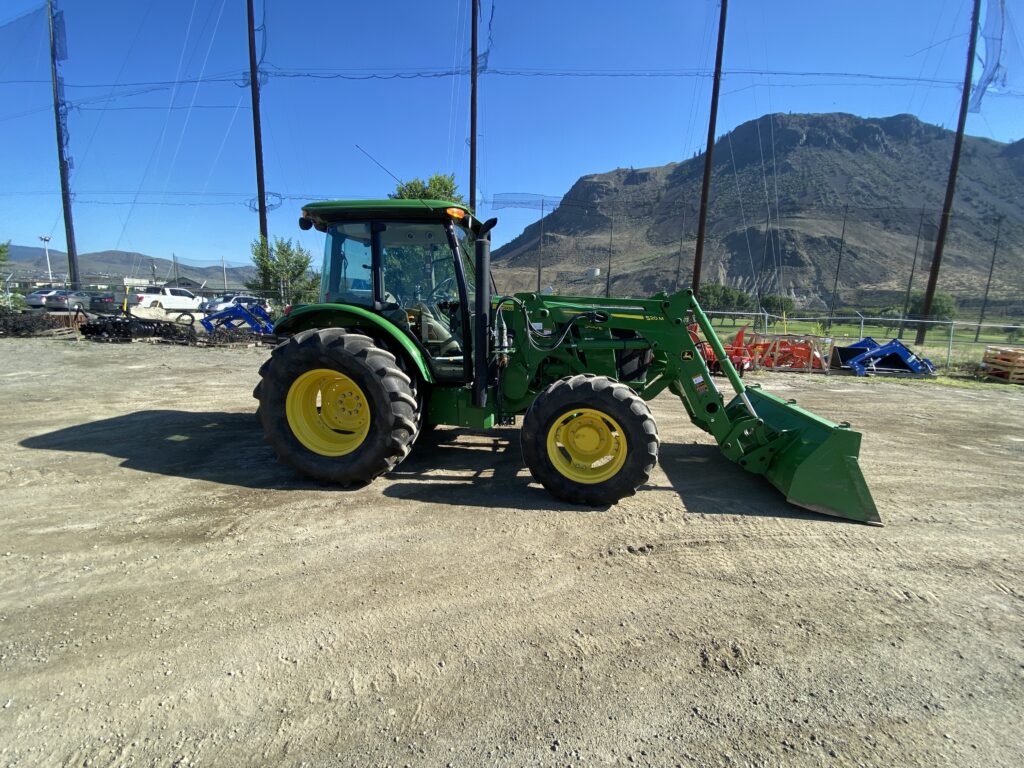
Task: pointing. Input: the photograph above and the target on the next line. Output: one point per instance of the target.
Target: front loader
(408, 333)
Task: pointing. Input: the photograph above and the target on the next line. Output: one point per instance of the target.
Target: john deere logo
(687, 355)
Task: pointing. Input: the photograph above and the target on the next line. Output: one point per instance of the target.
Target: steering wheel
(441, 288)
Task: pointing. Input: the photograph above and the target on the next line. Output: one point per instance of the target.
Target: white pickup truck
(167, 298)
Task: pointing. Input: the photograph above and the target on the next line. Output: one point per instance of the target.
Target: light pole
(46, 250)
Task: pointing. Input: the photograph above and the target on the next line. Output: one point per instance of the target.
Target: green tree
(723, 299)
(440, 186)
(777, 305)
(8, 300)
(943, 306)
(284, 270)
(414, 261)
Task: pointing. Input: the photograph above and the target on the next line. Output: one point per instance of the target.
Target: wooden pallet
(1004, 364)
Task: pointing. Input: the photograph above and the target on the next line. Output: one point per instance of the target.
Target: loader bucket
(815, 465)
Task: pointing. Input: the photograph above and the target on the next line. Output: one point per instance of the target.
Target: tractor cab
(409, 262)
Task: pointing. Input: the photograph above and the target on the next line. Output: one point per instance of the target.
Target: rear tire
(590, 440)
(336, 407)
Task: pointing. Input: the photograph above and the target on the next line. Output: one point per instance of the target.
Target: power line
(428, 73)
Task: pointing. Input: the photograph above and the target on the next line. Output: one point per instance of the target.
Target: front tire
(336, 407)
(590, 440)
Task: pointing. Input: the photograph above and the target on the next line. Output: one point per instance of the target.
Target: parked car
(68, 300)
(38, 298)
(218, 303)
(168, 298)
(103, 302)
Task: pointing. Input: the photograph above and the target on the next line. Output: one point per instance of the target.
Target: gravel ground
(173, 596)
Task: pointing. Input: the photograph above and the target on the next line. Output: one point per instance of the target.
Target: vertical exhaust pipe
(482, 314)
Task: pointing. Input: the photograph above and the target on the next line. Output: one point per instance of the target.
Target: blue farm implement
(867, 355)
(237, 317)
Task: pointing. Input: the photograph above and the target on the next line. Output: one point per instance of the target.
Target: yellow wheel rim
(586, 446)
(328, 412)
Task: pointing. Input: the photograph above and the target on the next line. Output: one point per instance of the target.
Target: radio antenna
(381, 166)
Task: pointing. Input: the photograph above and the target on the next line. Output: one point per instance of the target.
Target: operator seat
(435, 334)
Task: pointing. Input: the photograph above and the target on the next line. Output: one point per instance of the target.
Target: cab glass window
(421, 292)
(348, 276)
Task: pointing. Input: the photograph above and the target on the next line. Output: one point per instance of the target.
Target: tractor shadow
(215, 446)
(446, 466)
(472, 469)
(709, 484)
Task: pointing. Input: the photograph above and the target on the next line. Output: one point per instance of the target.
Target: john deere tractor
(409, 333)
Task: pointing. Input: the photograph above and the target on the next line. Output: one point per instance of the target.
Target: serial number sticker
(700, 385)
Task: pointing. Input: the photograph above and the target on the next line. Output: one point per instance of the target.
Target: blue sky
(165, 165)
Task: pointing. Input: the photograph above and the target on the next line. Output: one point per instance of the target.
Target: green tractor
(409, 333)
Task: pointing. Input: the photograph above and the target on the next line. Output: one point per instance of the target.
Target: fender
(308, 316)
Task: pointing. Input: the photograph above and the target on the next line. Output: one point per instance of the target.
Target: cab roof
(330, 211)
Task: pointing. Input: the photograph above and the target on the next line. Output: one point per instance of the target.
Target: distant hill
(31, 261)
(806, 169)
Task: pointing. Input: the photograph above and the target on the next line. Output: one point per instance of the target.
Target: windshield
(418, 265)
(467, 252)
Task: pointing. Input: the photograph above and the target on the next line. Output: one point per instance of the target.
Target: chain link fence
(948, 343)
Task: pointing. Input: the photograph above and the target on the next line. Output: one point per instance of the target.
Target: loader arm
(813, 461)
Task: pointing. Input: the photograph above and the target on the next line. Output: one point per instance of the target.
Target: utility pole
(540, 251)
(46, 250)
(177, 277)
(257, 131)
(839, 263)
(60, 115)
(472, 111)
(954, 166)
(910, 282)
(991, 269)
(224, 270)
(679, 257)
(698, 256)
(608, 275)
(764, 259)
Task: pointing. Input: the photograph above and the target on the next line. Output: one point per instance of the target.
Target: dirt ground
(173, 596)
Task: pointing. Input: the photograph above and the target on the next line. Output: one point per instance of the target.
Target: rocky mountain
(781, 188)
(31, 261)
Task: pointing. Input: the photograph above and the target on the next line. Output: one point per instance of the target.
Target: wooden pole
(991, 269)
(540, 251)
(608, 274)
(839, 263)
(910, 282)
(679, 258)
(257, 130)
(954, 166)
(698, 255)
(472, 110)
(59, 115)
